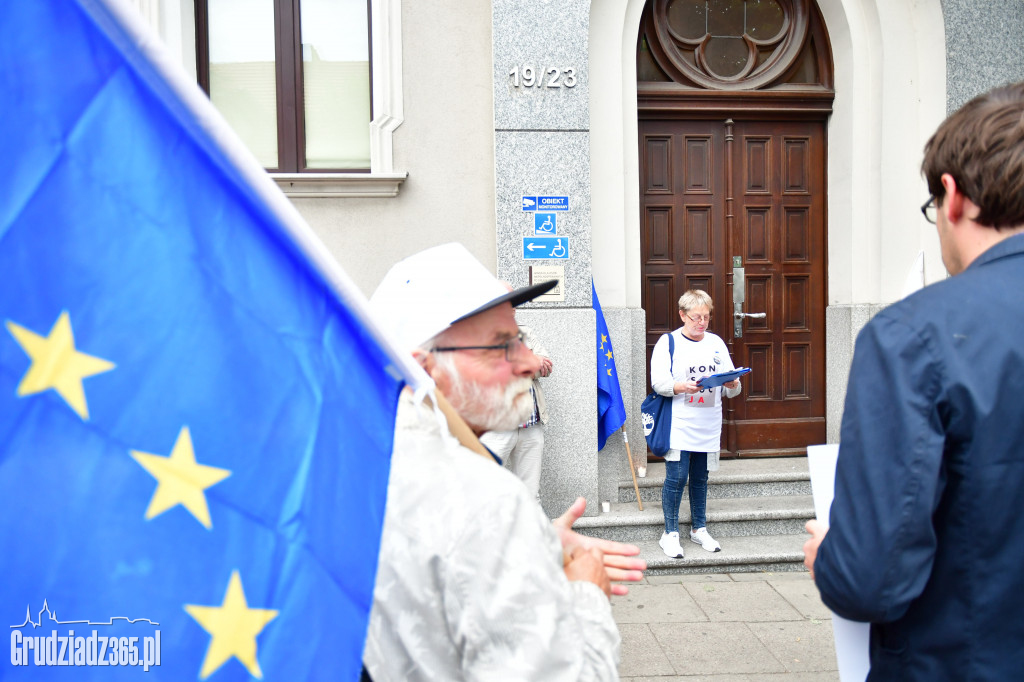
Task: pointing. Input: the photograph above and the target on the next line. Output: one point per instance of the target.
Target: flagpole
(632, 469)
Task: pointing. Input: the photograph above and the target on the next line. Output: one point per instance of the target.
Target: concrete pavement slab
(641, 653)
(764, 677)
(691, 678)
(657, 604)
(823, 676)
(760, 627)
(714, 648)
(803, 596)
(746, 602)
(803, 646)
(760, 576)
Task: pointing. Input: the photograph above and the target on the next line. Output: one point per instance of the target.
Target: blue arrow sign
(553, 248)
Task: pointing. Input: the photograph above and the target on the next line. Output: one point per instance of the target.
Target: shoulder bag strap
(671, 352)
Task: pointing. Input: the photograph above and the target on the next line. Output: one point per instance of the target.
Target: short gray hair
(695, 298)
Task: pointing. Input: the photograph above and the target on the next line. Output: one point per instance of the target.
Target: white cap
(426, 293)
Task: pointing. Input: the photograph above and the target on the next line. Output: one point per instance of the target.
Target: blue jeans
(696, 463)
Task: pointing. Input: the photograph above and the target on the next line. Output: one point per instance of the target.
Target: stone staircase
(757, 509)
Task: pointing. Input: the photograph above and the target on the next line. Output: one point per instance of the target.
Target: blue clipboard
(722, 377)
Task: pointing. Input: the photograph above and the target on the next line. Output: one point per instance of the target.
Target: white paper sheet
(915, 276)
(851, 637)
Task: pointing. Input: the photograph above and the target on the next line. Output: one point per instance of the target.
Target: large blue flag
(196, 418)
(611, 411)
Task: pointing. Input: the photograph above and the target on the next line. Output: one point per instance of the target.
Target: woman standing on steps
(696, 416)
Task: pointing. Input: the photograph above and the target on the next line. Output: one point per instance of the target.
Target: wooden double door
(725, 203)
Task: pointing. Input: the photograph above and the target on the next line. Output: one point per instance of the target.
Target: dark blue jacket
(927, 527)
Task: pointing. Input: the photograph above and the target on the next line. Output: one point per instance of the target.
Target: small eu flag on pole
(196, 414)
(611, 411)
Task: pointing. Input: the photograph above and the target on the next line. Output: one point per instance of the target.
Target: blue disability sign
(545, 223)
(555, 248)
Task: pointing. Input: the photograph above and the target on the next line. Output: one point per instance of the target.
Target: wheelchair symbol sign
(544, 223)
(545, 248)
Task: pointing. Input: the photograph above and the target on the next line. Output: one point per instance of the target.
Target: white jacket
(470, 583)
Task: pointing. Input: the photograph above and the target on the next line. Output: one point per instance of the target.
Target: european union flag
(195, 422)
(611, 411)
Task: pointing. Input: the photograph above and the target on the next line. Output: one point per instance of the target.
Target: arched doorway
(733, 97)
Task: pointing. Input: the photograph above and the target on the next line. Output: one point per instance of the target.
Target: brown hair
(982, 146)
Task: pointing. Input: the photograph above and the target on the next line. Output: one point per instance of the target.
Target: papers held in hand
(722, 377)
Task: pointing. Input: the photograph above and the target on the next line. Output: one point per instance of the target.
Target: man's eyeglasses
(512, 347)
(930, 210)
(699, 318)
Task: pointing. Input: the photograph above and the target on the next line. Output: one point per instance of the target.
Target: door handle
(739, 295)
(737, 330)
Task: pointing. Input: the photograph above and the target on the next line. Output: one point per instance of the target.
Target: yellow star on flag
(609, 355)
(233, 628)
(180, 480)
(56, 364)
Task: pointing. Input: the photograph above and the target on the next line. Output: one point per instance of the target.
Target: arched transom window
(732, 44)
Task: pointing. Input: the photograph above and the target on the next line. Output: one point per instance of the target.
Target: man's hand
(588, 565)
(617, 557)
(817, 529)
(545, 366)
(732, 384)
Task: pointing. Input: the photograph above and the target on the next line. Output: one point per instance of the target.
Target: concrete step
(727, 517)
(734, 478)
(757, 509)
(742, 554)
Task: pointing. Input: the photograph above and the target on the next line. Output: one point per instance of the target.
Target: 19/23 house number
(553, 77)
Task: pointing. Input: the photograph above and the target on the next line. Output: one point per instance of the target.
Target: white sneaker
(670, 545)
(704, 539)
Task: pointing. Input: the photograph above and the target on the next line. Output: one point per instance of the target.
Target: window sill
(321, 185)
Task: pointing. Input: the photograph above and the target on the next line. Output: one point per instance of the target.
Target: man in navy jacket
(926, 537)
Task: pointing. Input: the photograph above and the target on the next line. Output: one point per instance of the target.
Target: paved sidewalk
(729, 627)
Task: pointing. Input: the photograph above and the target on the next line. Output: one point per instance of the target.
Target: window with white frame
(313, 88)
(292, 79)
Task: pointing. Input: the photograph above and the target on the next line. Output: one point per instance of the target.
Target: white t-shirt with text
(697, 417)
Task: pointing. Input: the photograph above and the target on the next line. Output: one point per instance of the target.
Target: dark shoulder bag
(656, 412)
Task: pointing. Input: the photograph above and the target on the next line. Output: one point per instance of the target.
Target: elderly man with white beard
(473, 581)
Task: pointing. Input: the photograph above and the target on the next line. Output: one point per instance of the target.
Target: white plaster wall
(889, 60)
(446, 144)
(922, 91)
(614, 167)
(890, 71)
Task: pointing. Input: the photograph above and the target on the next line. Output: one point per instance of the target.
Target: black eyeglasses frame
(513, 343)
(932, 206)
